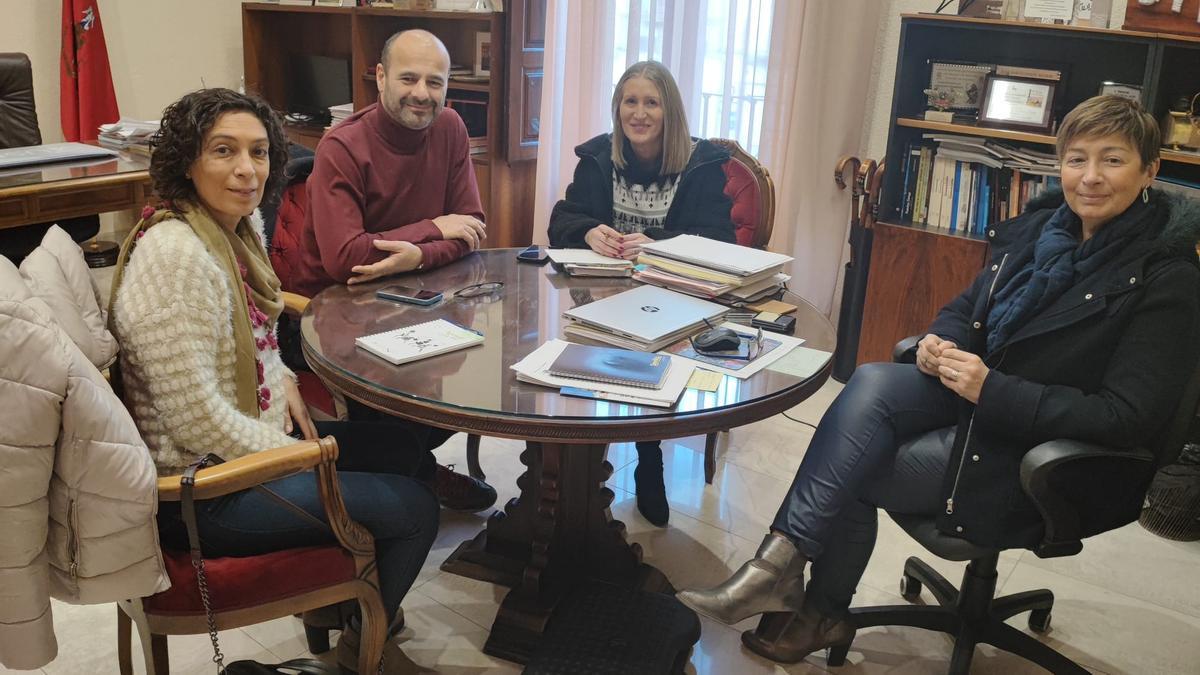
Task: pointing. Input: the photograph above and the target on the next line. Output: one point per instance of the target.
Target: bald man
(392, 189)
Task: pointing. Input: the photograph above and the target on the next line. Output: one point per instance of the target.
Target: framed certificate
(1018, 103)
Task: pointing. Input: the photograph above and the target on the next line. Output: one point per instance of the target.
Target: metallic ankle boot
(772, 582)
(788, 637)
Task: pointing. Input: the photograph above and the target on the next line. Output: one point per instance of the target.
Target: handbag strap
(187, 483)
(188, 507)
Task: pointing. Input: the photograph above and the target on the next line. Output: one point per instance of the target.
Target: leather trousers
(854, 466)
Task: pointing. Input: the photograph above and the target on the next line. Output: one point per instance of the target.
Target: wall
(159, 49)
(883, 73)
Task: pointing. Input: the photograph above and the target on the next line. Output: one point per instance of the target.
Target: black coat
(699, 207)
(1106, 362)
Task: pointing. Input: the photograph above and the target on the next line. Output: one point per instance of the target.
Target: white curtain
(816, 109)
(716, 49)
(576, 94)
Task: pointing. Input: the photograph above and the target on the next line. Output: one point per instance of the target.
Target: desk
(559, 531)
(45, 193)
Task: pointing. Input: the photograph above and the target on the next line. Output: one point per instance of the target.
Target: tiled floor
(1129, 603)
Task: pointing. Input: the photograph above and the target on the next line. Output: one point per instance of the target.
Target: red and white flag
(85, 81)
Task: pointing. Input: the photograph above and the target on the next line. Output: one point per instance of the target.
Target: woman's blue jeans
(855, 465)
(374, 467)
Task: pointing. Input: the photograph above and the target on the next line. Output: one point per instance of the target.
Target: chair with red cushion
(254, 589)
(750, 188)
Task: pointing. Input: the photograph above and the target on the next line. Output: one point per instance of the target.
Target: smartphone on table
(535, 255)
(415, 296)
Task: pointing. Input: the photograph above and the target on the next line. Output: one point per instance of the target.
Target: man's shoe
(460, 492)
(788, 637)
(772, 582)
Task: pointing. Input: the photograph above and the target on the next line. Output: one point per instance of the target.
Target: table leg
(558, 533)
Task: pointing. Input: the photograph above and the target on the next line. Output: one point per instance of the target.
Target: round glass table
(559, 531)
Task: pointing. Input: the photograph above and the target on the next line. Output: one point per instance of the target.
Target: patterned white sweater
(173, 320)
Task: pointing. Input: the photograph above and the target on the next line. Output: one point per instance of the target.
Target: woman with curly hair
(195, 303)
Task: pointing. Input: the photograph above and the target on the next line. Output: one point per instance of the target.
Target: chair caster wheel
(910, 588)
(1039, 620)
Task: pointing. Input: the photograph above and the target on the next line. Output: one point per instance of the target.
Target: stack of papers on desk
(535, 369)
(584, 262)
(127, 134)
(339, 113)
(711, 269)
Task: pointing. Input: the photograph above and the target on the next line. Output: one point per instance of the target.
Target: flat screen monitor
(317, 82)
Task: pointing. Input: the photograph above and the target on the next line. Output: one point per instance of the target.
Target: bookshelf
(914, 268)
(503, 111)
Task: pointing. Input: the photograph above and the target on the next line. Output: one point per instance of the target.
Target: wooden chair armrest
(253, 469)
(294, 303)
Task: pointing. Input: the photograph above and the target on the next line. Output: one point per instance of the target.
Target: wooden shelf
(1181, 157)
(934, 230)
(1040, 139)
(427, 14)
(470, 86)
(272, 7)
(972, 130)
(1038, 26)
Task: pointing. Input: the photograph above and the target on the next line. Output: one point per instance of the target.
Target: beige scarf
(228, 249)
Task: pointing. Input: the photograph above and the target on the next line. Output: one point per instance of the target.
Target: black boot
(648, 482)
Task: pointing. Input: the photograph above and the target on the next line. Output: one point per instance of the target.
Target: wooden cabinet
(275, 38)
(915, 269)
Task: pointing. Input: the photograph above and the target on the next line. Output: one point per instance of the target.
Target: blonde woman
(648, 180)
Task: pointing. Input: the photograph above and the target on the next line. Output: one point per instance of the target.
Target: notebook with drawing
(420, 341)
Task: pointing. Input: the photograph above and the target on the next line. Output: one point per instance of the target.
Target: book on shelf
(420, 341)
(611, 365)
(970, 182)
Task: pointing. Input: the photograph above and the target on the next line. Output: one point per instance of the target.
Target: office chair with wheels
(1050, 476)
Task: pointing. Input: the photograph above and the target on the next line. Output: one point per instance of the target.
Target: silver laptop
(50, 153)
(647, 313)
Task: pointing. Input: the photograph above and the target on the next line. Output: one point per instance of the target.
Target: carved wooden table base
(557, 534)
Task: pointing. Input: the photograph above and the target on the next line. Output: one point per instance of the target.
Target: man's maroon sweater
(375, 179)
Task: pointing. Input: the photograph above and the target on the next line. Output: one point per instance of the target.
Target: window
(716, 49)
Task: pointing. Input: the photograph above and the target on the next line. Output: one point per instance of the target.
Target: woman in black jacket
(648, 180)
(1085, 326)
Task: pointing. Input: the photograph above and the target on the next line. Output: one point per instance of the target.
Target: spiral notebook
(420, 341)
(615, 366)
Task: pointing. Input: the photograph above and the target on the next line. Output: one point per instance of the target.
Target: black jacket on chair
(1106, 362)
(700, 206)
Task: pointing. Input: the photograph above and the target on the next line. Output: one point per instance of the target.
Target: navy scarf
(1059, 260)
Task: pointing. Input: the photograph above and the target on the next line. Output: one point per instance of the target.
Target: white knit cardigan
(173, 319)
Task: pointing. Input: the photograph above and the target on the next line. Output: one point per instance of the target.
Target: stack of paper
(339, 113)
(711, 269)
(126, 134)
(534, 369)
(583, 262)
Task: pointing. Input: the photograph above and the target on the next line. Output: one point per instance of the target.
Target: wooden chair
(255, 589)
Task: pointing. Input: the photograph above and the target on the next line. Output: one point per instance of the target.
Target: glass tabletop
(515, 320)
(62, 171)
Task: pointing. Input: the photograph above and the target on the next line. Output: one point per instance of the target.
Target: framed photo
(483, 54)
(961, 83)
(1132, 92)
(1018, 103)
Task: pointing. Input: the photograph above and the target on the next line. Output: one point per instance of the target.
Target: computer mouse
(717, 340)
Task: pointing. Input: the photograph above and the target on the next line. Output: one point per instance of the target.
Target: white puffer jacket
(77, 485)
